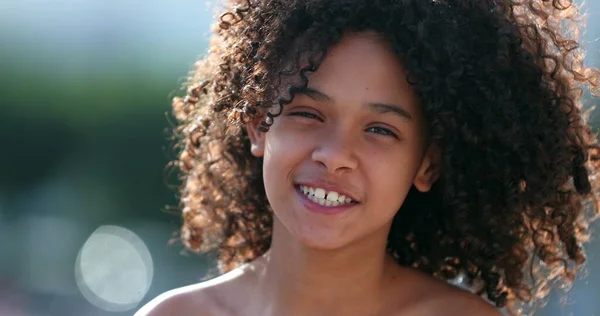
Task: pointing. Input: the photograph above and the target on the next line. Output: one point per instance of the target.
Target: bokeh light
(114, 269)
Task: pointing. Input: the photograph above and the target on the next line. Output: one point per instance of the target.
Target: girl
(349, 157)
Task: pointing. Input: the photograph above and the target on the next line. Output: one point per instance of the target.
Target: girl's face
(341, 158)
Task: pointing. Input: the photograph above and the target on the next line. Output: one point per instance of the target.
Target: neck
(305, 281)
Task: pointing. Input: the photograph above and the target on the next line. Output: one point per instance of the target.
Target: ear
(257, 139)
(429, 171)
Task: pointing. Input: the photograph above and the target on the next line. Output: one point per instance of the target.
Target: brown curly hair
(500, 83)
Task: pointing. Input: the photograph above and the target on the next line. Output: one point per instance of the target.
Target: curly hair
(500, 83)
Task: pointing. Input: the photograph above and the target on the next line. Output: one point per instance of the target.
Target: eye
(382, 131)
(307, 115)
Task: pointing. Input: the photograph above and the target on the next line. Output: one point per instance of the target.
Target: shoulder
(453, 302)
(437, 297)
(207, 298)
(460, 302)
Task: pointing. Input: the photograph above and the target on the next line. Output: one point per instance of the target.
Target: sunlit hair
(500, 83)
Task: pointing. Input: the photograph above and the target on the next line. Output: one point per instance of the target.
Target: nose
(335, 152)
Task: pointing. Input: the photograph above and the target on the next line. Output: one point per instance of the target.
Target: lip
(318, 208)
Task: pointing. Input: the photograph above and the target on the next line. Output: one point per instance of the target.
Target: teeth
(320, 193)
(332, 196)
(321, 197)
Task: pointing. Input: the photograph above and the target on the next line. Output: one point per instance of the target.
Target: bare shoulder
(460, 302)
(436, 297)
(204, 298)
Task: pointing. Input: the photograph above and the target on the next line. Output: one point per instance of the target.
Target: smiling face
(355, 138)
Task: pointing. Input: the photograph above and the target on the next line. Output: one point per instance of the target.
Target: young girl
(349, 157)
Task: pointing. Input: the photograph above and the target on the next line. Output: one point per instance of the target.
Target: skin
(336, 264)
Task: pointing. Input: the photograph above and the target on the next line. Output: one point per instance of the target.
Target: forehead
(363, 67)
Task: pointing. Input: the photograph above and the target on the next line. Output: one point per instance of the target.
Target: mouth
(326, 198)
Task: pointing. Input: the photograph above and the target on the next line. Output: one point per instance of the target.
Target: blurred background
(85, 86)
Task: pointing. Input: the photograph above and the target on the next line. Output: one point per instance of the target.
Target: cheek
(286, 145)
(391, 175)
(283, 154)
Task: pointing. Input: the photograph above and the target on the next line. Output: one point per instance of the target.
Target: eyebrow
(378, 107)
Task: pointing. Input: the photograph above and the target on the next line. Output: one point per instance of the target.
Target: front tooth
(328, 203)
(335, 203)
(320, 193)
(332, 196)
(311, 191)
(341, 199)
(321, 201)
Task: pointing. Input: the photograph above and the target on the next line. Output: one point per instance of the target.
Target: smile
(325, 198)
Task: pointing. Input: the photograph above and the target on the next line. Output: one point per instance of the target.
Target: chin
(321, 242)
